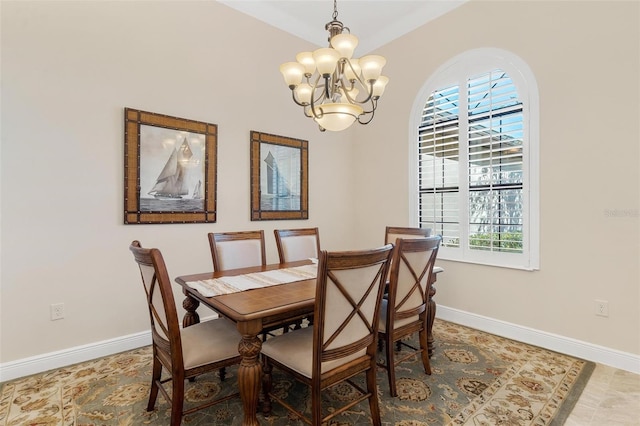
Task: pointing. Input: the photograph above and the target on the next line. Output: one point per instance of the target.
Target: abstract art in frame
(279, 177)
(169, 169)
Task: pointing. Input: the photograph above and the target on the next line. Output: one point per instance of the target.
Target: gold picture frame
(170, 169)
(279, 177)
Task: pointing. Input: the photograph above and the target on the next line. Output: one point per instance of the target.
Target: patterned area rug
(478, 379)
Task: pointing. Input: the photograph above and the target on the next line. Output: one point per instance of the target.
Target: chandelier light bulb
(371, 66)
(337, 116)
(292, 73)
(326, 60)
(303, 93)
(306, 60)
(379, 85)
(345, 44)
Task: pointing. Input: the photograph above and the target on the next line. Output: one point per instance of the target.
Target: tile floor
(611, 397)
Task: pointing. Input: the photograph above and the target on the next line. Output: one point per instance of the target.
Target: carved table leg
(431, 314)
(249, 371)
(190, 305)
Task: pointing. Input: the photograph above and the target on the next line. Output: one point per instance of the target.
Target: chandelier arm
(314, 112)
(374, 106)
(369, 87)
(328, 92)
(369, 90)
(370, 114)
(306, 112)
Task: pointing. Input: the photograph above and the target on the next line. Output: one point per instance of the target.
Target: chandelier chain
(335, 10)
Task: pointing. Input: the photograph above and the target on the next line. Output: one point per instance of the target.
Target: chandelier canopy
(337, 89)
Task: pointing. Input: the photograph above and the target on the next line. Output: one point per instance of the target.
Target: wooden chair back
(348, 295)
(297, 244)
(165, 329)
(404, 312)
(392, 233)
(232, 250)
(342, 342)
(186, 353)
(410, 276)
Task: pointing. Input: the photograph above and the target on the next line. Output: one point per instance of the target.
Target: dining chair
(342, 341)
(297, 244)
(243, 249)
(232, 250)
(392, 233)
(184, 354)
(404, 311)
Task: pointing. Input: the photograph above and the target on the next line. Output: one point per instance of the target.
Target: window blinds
(487, 185)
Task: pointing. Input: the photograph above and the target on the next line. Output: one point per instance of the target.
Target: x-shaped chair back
(410, 277)
(405, 310)
(165, 329)
(348, 295)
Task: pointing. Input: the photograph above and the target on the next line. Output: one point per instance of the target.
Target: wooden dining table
(256, 310)
(253, 311)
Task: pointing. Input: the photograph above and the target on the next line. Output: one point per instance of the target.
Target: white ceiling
(374, 22)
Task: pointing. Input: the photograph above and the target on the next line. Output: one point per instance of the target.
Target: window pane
(495, 163)
(438, 165)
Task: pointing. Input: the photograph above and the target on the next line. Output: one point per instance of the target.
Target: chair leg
(177, 400)
(373, 397)
(155, 378)
(424, 351)
(316, 403)
(223, 373)
(266, 387)
(391, 366)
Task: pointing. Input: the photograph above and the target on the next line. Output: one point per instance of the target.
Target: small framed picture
(279, 177)
(169, 169)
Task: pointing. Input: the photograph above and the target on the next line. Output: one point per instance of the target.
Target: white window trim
(478, 60)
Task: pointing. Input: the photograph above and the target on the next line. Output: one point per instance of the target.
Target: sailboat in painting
(197, 191)
(171, 184)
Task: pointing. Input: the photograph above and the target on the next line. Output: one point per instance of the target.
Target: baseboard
(614, 358)
(38, 364)
(622, 360)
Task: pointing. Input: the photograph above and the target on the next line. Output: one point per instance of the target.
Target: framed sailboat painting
(170, 169)
(279, 177)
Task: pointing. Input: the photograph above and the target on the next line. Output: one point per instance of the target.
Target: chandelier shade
(337, 116)
(334, 88)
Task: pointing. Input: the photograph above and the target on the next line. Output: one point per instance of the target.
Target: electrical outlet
(57, 311)
(602, 308)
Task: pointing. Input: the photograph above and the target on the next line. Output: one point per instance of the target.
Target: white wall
(585, 57)
(69, 69)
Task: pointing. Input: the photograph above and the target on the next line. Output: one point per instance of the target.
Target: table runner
(233, 284)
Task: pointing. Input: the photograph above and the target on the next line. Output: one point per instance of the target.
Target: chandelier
(337, 89)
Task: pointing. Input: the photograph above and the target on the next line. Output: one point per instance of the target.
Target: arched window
(474, 143)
